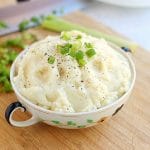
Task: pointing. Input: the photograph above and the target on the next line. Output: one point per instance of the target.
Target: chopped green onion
(64, 49)
(3, 25)
(68, 45)
(12, 56)
(28, 37)
(51, 59)
(7, 56)
(72, 53)
(57, 24)
(59, 47)
(88, 45)
(4, 62)
(79, 37)
(23, 25)
(65, 36)
(17, 42)
(7, 86)
(91, 52)
(81, 62)
(35, 20)
(3, 79)
(4, 71)
(76, 45)
(79, 55)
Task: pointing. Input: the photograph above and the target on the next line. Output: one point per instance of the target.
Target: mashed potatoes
(73, 72)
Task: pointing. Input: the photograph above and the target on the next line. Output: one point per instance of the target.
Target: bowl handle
(9, 113)
(126, 49)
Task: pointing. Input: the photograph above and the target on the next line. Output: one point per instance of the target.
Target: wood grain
(5, 3)
(128, 130)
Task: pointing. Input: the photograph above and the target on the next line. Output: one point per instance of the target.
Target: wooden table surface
(128, 130)
(5, 3)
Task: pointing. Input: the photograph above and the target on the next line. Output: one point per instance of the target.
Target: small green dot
(81, 126)
(71, 123)
(90, 52)
(88, 45)
(81, 62)
(89, 120)
(55, 121)
(79, 55)
(51, 59)
(79, 37)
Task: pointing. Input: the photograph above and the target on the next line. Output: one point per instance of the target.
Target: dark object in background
(21, 0)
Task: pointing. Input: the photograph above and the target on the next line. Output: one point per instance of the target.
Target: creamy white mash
(53, 77)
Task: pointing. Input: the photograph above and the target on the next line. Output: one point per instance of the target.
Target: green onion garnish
(51, 59)
(68, 45)
(23, 25)
(76, 45)
(7, 86)
(58, 47)
(28, 37)
(65, 36)
(3, 25)
(79, 55)
(57, 24)
(35, 20)
(64, 49)
(81, 62)
(79, 37)
(88, 45)
(17, 42)
(72, 53)
(91, 52)
(4, 71)
(3, 79)
(12, 56)
(7, 56)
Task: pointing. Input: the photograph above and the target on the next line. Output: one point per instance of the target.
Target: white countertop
(134, 23)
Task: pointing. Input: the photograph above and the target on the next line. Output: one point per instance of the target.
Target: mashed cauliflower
(73, 72)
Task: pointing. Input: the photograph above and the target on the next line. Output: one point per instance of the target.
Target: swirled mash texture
(63, 84)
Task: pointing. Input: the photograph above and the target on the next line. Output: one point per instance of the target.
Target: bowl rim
(44, 110)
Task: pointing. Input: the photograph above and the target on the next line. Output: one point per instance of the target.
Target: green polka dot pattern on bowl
(56, 121)
(89, 121)
(72, 123)
(81, 126)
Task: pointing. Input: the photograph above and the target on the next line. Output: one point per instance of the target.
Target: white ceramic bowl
(128, 3)
(64, 120)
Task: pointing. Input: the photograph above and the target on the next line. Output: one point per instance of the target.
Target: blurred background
(128, 17)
